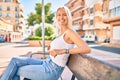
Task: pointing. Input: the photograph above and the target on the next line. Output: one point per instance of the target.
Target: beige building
(6, 31)
(88, 15)
(112, 17)
(12, 12)
(95, 29)
(5, 28)
(76, 7)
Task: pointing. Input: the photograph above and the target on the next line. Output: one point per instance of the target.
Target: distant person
(6, 38)
(60, 49)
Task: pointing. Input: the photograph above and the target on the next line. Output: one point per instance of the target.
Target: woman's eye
(58, 15)
(65, 15)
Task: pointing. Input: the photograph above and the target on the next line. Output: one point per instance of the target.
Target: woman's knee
(19, 61)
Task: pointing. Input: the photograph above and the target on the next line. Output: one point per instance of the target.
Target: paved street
(105, 47)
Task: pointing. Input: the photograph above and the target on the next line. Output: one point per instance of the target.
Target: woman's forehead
(61, 10)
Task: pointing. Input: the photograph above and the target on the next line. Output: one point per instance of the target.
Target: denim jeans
(32, 68)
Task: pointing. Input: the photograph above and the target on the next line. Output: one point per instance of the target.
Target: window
(0, 14)
(91, 10)
(8, 8)
(115, 11)
(16, 9)
(7, 0)
(112, 12)
(8, 15)
(118, 11)
(0, 8)
(16, 15)
(91, 22)
(17, 22)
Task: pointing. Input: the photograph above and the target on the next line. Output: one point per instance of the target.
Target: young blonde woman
(60, 49)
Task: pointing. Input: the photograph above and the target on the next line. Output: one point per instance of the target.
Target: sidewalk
(5, 43)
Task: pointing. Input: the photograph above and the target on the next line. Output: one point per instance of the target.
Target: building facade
(92, 19)
(76, 7)
(112, 17)
(12, 11)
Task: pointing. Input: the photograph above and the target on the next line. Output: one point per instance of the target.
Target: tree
(31, 19)
(49, 31)
(36, 18)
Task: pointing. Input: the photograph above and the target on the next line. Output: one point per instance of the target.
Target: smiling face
(62, 17)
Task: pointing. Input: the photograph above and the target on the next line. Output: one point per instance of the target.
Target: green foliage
(38, 8)
(34, 38)
(50, 37)
(36, 18)
(31, 19)
(40, 38)
(49, 18)
(38, 32)
(49, 31)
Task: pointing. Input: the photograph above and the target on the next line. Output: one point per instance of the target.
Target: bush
(38, 32)
(49, 30)
(49, 37)
(40, 38)
(34, 38)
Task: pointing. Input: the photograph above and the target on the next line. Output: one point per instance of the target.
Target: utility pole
(43, 29)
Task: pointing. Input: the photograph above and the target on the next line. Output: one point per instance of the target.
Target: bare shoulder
(70, 31)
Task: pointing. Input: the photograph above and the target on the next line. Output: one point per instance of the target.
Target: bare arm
(82, 47)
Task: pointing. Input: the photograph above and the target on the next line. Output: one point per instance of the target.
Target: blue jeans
(32, 68)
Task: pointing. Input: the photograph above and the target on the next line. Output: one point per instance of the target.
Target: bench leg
(73, 77)
(26, 79)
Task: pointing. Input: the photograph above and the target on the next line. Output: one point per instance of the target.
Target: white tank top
(59, 43)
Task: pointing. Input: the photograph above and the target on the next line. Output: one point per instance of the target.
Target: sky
(29, 5)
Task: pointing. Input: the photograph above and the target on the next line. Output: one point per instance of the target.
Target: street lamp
(43, 29)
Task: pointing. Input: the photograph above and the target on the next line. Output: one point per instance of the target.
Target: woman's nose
(61, 17)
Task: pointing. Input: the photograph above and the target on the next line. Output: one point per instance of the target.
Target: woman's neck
(62, 30)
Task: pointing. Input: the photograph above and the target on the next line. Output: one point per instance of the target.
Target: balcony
(101, 25)
(77, 7)
(88, 27)
(111, 19)
(86, 17)
(77, 18)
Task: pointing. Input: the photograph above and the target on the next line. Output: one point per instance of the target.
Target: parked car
(89, 38)
(107, 40)
(2, 39)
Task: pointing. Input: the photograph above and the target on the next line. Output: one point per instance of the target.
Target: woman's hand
(56, 52)
(48, 48)
(53, 52)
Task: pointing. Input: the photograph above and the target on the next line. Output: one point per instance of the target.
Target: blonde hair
(68, 15)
